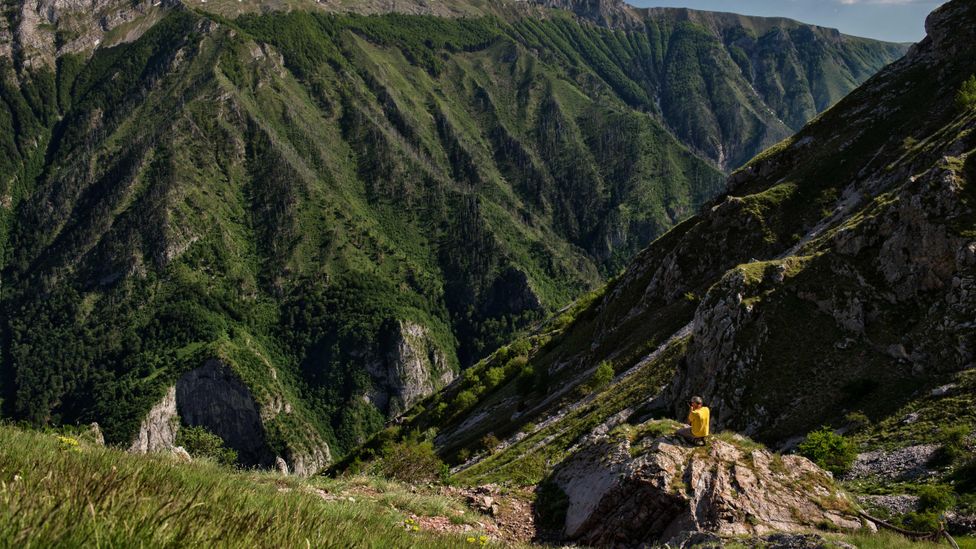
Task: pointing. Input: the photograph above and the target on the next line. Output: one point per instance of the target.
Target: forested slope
(344, 210)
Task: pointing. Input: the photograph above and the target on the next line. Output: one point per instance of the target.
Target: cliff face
(411, 367)
(37, 32)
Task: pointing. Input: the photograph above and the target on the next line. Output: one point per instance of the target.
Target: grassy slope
(54, 493)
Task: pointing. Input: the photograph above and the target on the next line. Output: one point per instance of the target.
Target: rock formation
(158, 429)
(623, 493)
(213, 396)
(410, 367)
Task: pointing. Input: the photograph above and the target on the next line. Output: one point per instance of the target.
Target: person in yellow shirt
(698, 418)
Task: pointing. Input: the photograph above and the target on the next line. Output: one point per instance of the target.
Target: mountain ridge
(342, 210)
(833, 278)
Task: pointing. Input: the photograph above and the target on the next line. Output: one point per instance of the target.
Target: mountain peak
(952, 27)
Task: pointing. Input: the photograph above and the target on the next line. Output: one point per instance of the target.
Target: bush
(953, 448)
(489, 442)
(935, 498)
(526, 380)
(201, 443)
(919, 521)
(828, 450)
(465, 400)
(495, 376)
(965, 477)
(966, 98)
(603, 376)
(412, 461)
(857, 422)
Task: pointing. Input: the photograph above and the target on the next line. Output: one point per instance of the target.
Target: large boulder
(626, 490)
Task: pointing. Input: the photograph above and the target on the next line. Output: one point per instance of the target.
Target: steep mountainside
(837, 275)
(320, 217)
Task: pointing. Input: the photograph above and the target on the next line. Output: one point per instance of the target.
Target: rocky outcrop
(158, 430)
(214, 397)
(628, 494)
(410, 366)
(46, 29)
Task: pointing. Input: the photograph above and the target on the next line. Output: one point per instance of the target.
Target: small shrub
(495, 376)
(857, 422)
(526, 380)
(828, 450)
(953, 448)
(465, 400)
(966, 98)
(201, 443)
(921, 521)
(412, 461)
(603, 376)
(489, 442)
(965, 477)
(935, 498)
(516, 363)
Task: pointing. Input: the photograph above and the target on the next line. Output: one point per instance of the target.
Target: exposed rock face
(46, 29)
(668, 490)
(158, 430)
(410, 367)
(213, 396)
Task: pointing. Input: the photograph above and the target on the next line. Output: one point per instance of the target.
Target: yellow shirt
(698, 419)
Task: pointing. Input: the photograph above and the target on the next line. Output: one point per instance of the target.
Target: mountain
(832, 285)
(288, 221)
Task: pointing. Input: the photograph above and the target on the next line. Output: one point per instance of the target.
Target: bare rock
(895, 504)
(213, 396)
(667, 491)
(901, 464)
(181, 454)
(281, 465)
(408, 367)
(158, 430)
(95, 434)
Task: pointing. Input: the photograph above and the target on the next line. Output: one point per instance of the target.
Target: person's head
(695, 402)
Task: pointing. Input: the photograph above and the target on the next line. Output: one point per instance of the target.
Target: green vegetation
(302, 194)
(57, 493)
(201, 443)
(966, 98)
(829, 450)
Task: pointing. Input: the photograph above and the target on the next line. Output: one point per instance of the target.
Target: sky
(893, 20)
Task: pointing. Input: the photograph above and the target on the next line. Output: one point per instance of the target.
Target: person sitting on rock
(698, 417)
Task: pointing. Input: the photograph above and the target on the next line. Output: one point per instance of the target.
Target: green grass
(55, 493)
(891, 540)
